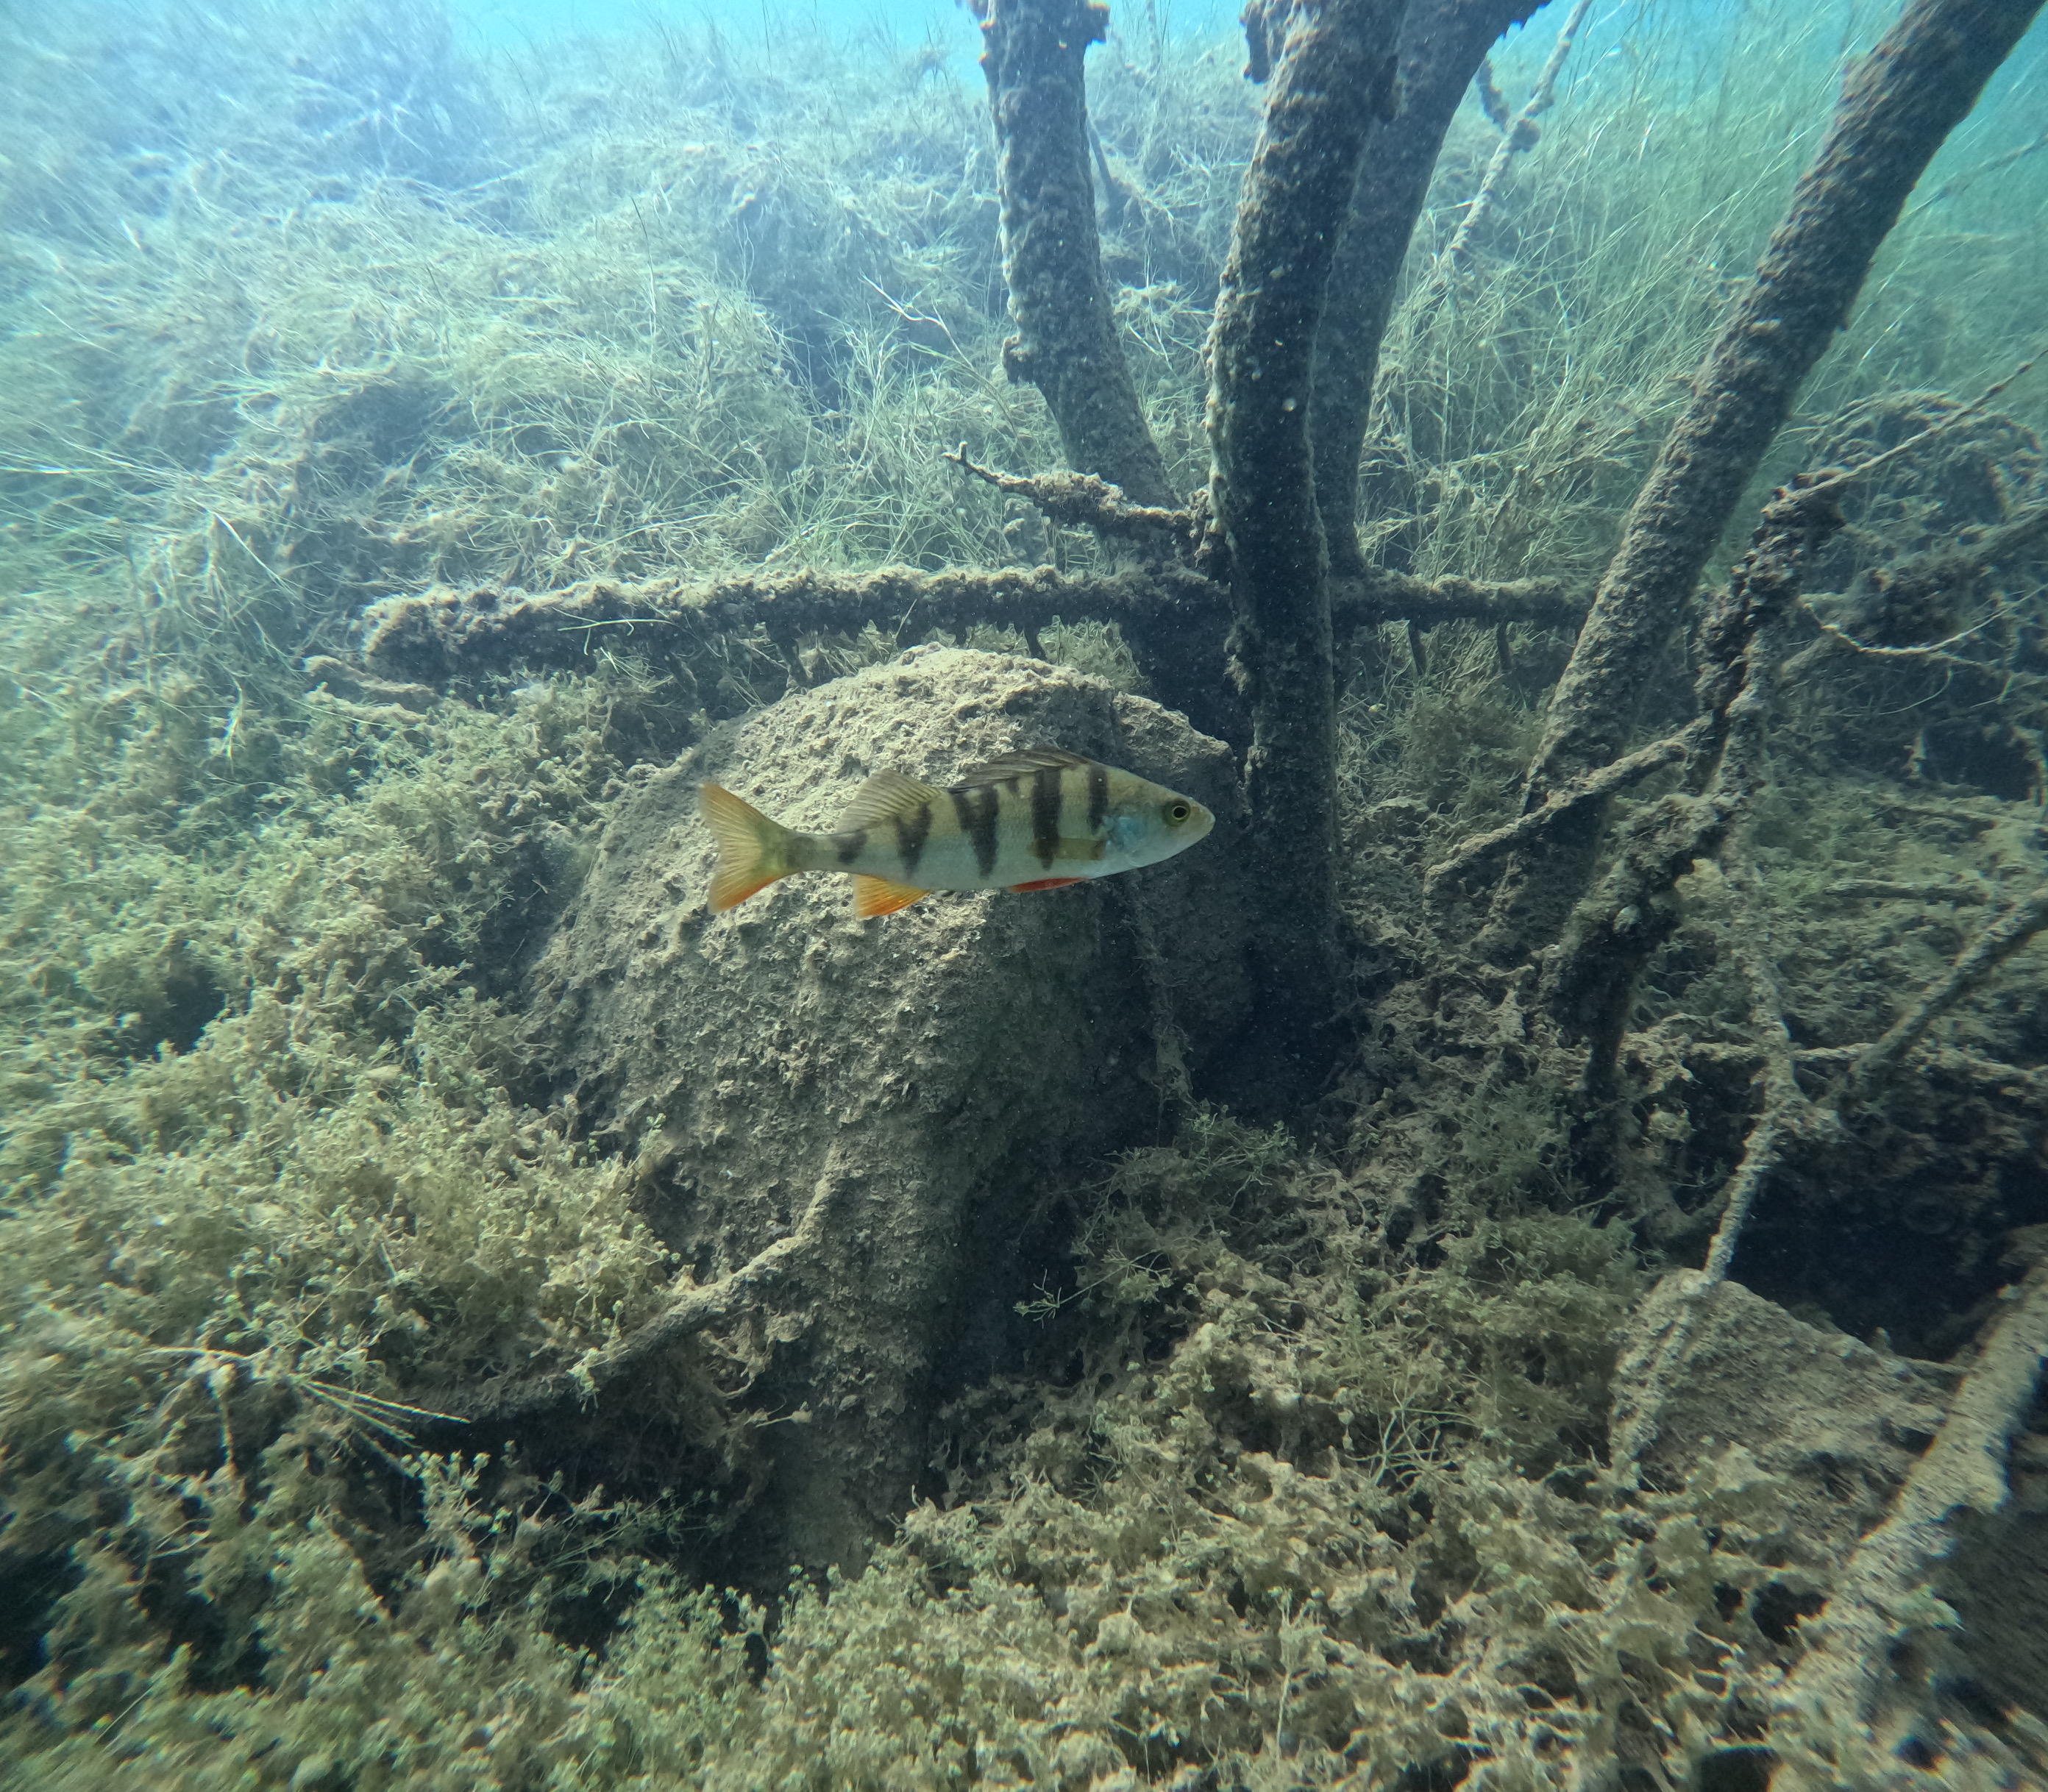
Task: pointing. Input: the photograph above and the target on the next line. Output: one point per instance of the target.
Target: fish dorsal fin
(1020, 764)
(886, 793)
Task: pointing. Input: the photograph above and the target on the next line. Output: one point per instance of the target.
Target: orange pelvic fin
(1047, 883)
(874, 896)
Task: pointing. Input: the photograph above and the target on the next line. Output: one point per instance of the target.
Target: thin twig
(2005, 678)
(1082, 501)
(1926, 576)
(1520, 136)
(692, 1310)
(1991, 948)
(1932, 653)
(1596, 786)
(1835, 481)
(1787, 1113)
(1956, 183)
(1879, 890)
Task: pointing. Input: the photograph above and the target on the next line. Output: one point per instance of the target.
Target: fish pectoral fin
(886, 793)
(1046, 883)
(874, 896)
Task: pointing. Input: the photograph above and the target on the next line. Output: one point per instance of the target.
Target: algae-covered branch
(1067, 343)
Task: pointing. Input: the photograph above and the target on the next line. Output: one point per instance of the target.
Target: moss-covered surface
(1297, 1471)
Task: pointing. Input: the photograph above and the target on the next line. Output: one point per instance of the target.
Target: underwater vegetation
(1516, 1260)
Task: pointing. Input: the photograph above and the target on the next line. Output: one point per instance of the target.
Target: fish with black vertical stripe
(1036, 820)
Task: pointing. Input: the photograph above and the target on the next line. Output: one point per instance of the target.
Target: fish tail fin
(753, 852)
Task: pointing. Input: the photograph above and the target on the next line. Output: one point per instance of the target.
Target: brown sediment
(1066, 343)
(1898, 105)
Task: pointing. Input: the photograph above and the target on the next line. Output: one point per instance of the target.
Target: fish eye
(1177, 813)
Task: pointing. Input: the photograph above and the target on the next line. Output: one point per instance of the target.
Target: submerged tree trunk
(1898, 105)
(1334, 77)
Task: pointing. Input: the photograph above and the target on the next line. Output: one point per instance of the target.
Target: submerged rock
(931, 1076)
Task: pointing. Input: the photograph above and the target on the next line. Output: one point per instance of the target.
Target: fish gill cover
(1518, 1263)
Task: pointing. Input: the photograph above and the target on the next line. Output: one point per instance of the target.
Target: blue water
(499, 23)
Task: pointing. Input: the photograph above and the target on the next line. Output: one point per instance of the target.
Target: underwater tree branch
(1179, 646)
(1971, 1068)
(1612, 934)
(1082, 501)
(1595, 787)
(1066, 343)
(1365, 596)
(1913, 444)
(1917, 585)
(1379, 594)
(448, 633)
(693, 1310)
(1898, 105)
(1520, 135)
(382, 697)
(1995, 681)
(1884, 1594)
(1443, 43)
(1964, 895)
(1334, 77)
(1879, 1061)
(1788, 1113)
(1593, 990)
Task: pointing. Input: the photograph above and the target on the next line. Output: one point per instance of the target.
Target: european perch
(1036, 820)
